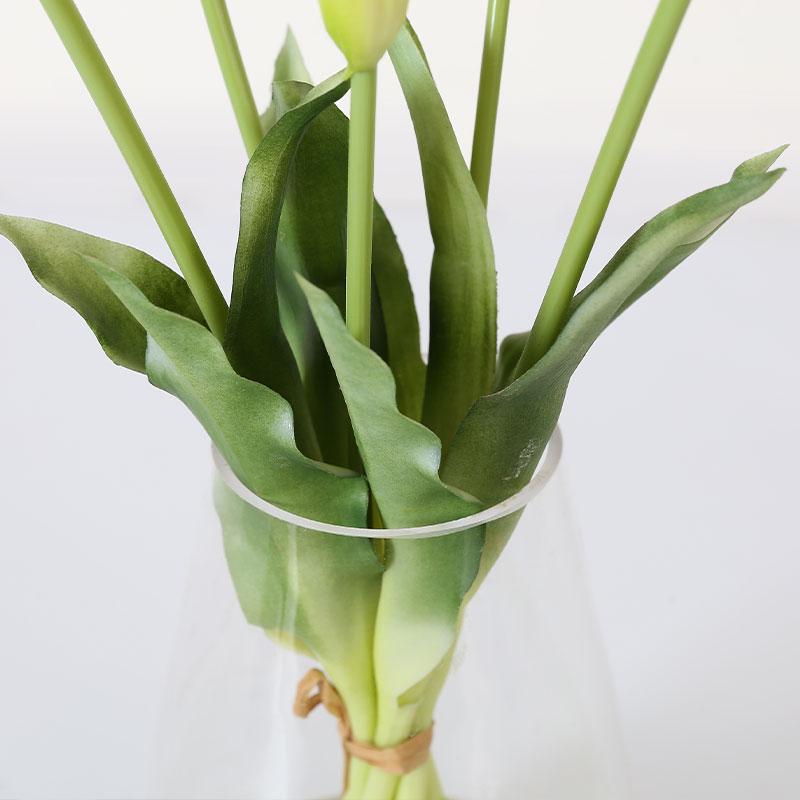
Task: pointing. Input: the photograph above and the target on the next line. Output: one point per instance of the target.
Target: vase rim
(541, 477)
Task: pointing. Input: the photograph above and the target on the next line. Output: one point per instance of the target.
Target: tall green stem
(360, 179)
(121, 123)
(603, 180)
(233, 73)
(494, 45)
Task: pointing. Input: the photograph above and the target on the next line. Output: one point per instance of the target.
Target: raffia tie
(315, 689)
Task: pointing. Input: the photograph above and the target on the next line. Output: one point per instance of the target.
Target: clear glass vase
(523, 704)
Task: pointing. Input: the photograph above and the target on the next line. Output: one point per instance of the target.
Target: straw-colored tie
(315, 689)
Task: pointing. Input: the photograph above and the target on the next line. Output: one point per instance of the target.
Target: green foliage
(249, 423)
(289, 66)
(299, 223)
(401, 457)
(312, 241)
(510, 350)
(507, 432)
(463, 311)
(315, 591)
(291, 398)
(426, 579)
(255, 342)
(51, 254)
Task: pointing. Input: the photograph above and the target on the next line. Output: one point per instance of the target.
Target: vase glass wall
(527, 709)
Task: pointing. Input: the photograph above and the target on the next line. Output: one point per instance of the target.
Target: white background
(681, 426)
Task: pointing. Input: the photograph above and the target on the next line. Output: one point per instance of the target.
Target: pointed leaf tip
(760, 163)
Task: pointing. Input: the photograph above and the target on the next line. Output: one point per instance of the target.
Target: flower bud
(363, 29)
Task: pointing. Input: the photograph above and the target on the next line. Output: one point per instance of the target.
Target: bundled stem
(234, 74)
(117, 115)
(360, 180)
(603, 180)
(494, 44)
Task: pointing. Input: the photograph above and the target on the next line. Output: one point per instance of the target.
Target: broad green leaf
(401, 457)
(311, 242)
(426, 579)
(317, 590)
(291, 83)
(312, 239)
(502, 438)
(255, 342)
(250, 424)
(463, 306)
(51, 254)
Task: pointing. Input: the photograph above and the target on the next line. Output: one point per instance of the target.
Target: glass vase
(522, 705)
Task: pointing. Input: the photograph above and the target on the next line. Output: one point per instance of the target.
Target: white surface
(681, 427)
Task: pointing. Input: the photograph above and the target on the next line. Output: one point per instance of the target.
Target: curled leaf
(250, 424)
(51, 252)
(255, 342)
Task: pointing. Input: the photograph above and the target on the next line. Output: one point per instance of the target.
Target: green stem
(494, 45)
(118, 117)
(360, 179)
(233, 72)
(603, 180)
(360, 203)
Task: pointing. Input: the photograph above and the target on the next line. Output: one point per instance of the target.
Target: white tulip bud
(363, 29)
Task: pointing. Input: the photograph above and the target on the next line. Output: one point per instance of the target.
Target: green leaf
(506, 433)
(316, 590)
(250, 424)
(754, 167)
(325, 401)
(463, 308)
(313, 239)
(510, 350)
(50, 252)
(426, 579)
(423, 590)
(513, 345)
(390, 279)
(309, 241)
(312, 242)
(401, 457)
(291, 83)
(255, 343)
(289, 66)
